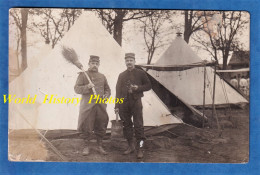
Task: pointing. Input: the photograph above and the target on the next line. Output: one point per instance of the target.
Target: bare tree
(155, 32)
(192, 23)
(222, 34)
(20, 17)
(113, 19)
(71, 15)
(54, 23)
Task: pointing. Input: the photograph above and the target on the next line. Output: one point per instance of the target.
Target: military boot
(140, 152)
(100, 148)
(131, 147)
(86, 149)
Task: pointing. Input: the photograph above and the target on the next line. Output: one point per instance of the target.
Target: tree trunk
(186, 37)
(17, 54)
(118, 26)
(47, 39)
(24, 14)
(187, 26)
(225, 58)
(150, 57)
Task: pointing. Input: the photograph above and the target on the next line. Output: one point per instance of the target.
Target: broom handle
(93, 89)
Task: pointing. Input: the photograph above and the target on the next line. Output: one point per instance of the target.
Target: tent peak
(178, 34)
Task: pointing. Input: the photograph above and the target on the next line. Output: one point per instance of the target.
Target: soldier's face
(130, 63)
(93, 66)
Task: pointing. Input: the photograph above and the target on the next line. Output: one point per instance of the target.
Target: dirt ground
(183, 143)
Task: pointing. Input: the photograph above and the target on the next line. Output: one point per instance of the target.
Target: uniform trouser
(128, 109)
(97, 121)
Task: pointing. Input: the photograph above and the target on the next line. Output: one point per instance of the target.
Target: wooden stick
(204, 87)
(89, 80)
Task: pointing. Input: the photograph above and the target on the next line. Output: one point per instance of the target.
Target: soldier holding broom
(93, 117)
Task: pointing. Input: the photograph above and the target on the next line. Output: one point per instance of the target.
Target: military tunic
(234, 82)
(92, 116)
(132, 105)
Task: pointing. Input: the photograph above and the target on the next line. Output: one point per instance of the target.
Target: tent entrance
(177, 107)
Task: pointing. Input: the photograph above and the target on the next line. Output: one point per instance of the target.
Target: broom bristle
(71, 56)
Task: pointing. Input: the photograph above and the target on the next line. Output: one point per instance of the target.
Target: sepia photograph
(128, 85)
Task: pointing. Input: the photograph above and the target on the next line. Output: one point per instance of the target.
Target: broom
(71, 56)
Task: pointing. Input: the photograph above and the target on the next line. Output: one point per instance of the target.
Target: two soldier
(93, 118)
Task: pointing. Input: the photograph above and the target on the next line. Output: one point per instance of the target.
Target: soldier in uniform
(243, 85)
(93, 117)
(234, 82)
(130, 85)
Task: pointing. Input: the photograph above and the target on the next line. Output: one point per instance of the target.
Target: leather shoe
(101, 150)
(131, 147)
(129, 150)
(140, 154)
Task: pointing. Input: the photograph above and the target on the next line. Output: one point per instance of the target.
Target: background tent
(53, 75)
(187, 83)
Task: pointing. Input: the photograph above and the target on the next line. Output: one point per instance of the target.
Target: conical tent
(54, 76)
(188, 84)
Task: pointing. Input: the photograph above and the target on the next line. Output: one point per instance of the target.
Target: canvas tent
(186, 78)
(53, 75)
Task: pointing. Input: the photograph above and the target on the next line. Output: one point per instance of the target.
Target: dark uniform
(132, 105)
(92, 116)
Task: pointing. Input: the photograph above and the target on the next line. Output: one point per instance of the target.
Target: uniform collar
(131, 70)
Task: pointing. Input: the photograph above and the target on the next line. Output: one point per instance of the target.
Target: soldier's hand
(90, 85)
(134, 87)
(116, 110)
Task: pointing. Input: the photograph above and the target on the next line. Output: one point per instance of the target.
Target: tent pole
(213, 100)
(204, 96)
